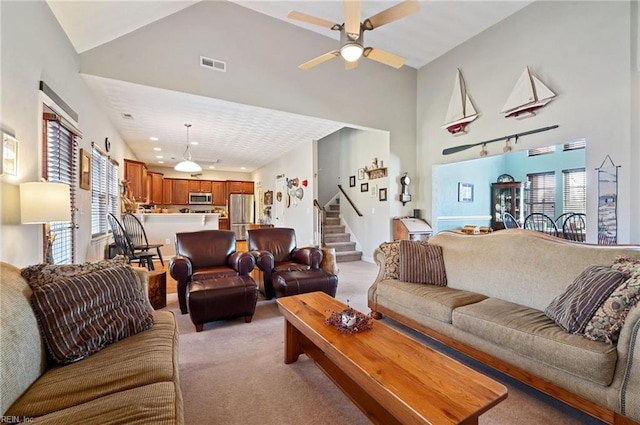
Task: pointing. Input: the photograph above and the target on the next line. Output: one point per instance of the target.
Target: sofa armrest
(629, 345)
(264, 260)
(311, 256)
(242, 262)
(181, 269)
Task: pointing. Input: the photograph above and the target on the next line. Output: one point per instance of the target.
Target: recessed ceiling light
(243, 168)
(157, 149)
(211, 167)
(155, 139)
(160, 162)
(159, 156)
(194, 143)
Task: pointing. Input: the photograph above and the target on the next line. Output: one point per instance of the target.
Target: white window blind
(541, 151)
(104, 190)
(542, 193)
(60, 166)
(578, 144)
(574, 191)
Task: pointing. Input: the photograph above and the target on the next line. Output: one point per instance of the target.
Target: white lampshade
(351, 52)
(187, 166)
(44, 202)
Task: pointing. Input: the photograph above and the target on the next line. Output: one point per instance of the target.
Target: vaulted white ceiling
(438, 27)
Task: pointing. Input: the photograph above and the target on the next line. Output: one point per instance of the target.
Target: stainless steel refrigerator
(241, 214)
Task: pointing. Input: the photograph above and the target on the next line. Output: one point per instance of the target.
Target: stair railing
(319, 221)
(350, 201)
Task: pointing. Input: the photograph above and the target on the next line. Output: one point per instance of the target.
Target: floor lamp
(42, 203)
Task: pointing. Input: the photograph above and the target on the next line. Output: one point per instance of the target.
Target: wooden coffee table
(391, 377)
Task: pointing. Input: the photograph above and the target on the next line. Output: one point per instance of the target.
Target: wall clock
(505, 178)
(107, 144)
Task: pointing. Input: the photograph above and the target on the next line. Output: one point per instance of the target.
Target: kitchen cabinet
(155, 188)
(136, 173)
(200, 186)
(219, 193)
(180, 189)
(223, 223)
(167, 191)
(234, 186)
(507, 197)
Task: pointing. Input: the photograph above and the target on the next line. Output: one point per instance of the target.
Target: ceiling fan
(352, 32)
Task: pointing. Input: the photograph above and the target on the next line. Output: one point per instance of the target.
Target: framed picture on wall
(85, 169)
(9, 160)
(352, 181)
(360, 173)
(364, 187)
(383, 194)
(465, 192)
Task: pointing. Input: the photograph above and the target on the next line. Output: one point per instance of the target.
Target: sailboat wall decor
(528, 95)
(461, 111)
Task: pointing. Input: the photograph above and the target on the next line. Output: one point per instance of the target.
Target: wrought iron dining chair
(137, 235)
(509, 221)
(561, 218)
(540, 222)
(574, 227)
(125, 247)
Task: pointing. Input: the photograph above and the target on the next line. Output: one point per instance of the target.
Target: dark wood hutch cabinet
(508, 197)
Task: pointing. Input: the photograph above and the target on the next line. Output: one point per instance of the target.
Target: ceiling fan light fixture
(187, 165)
(351, 52)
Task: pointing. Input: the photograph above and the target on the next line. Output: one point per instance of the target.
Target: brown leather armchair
(294, 270)
(207, 254)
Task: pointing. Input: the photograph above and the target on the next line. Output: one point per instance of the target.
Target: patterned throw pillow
(391, 252)
(81, 315)
(421, 262)
(572, 309)
(42, 274)
(607, 322)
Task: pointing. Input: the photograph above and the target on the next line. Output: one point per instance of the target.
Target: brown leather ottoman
(220, 299)
(299, 282)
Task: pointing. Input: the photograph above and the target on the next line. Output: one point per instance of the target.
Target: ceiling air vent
(213, 64)
(127, 116)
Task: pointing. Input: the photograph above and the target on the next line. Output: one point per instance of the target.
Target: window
(104, 190)
(542, 193)
(541, 151)
(578, 144)
(60, 166)
(574, 191)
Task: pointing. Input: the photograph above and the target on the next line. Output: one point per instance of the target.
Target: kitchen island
(161, 227)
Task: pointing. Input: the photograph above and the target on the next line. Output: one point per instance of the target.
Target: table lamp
(42, 203)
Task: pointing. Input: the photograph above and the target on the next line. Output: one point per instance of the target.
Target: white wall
(357, 149)
(581, 50)
(329, 167)
(34, 48)
(298, 163)
(262, 55)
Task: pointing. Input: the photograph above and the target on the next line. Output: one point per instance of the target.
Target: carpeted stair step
(336, 237)
(344, 256)
(342, 246)
(328, 214)
(334, 207)
(332, 221)
(333, 229)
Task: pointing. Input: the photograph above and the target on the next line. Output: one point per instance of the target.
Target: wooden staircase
(336, 237)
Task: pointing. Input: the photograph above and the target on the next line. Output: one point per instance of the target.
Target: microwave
(200, 198)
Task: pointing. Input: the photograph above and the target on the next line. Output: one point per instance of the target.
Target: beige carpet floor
(233, 373)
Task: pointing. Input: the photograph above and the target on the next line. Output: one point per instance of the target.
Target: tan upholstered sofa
(132, 381)
(493, 309)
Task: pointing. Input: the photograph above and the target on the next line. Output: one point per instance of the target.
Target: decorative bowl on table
(349, 321)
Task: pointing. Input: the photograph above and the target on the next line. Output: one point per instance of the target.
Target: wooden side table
(158, 288)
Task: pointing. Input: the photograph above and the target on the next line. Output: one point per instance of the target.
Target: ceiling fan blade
(350, 65)
(391, 14)
(303, 17)
(384, 57)
(320, 59)
(352, 14)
